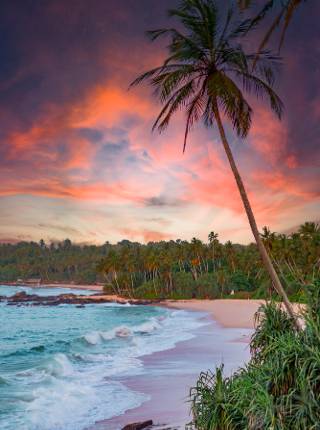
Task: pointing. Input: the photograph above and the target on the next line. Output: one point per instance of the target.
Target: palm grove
(173, 269)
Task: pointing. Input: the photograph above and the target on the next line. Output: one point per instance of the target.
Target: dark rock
(138, 426)
(22, 298)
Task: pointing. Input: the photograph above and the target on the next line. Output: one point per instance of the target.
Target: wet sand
(168, 375)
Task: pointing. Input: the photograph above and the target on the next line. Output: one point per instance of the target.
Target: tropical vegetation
(187, 269)
(175, 268)
(279, 388)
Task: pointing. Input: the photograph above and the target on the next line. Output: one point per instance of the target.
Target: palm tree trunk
(213, 261)
(264, 255)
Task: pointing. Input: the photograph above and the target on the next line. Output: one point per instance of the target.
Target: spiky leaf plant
(278, 389)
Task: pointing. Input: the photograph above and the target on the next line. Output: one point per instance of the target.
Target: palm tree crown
(207, 69)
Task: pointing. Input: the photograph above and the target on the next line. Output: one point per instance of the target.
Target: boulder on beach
(138, 426)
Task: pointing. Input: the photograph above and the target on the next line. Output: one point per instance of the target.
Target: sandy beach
(168, 375)
(227, 312)
(225, 339)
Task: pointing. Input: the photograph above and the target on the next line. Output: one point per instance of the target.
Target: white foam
(71, 392)
(123, 332)
(92, 338)
(58, 366)
(147, 327)
(77, 401)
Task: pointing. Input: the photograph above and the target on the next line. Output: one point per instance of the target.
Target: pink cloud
(145, 234)
(268, 135)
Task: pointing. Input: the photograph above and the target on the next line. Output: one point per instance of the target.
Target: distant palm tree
(203, 75)
(213, 241)
(309, 228)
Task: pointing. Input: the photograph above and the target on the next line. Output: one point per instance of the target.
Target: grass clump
(279, 389)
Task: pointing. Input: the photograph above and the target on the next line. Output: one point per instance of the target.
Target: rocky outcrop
(22, 298)
(138, 426)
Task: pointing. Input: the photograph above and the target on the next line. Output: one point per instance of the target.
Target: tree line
(175, 268)
(186, 269)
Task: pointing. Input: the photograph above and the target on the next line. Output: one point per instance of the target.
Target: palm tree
(309, 229)
(268, 238)
(213, 241)
(204, 74)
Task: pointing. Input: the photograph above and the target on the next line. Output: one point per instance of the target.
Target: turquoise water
(59, 365)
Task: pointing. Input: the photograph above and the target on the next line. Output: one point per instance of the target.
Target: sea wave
(95, 337)
(3, 381)
(71, 378)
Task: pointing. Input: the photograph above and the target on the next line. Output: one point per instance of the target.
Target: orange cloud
(117, 192)
(107, 106)
(201, 176)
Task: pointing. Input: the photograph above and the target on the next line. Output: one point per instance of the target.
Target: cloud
(160, 201)
(145, 235)
(73, 137)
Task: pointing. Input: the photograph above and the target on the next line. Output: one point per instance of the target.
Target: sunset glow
(78, 158)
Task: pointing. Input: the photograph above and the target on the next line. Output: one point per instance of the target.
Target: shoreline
(168, 375)
(230, 313)
(225, 339)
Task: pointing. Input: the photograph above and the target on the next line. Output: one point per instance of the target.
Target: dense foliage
(60, 262)
(182, 269)
(176, 269)
(279, 388)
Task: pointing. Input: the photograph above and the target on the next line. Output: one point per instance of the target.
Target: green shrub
(238, 281)
(207, 287)
(278, 389)
(149, 290)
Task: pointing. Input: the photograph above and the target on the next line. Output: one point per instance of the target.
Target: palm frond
(177, 101)
(207, 66)
(194, 112)
(291, 8)
(260, 88)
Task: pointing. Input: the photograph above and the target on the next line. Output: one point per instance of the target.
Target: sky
(78, 159)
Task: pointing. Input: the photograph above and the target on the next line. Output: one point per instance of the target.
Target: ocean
(60, 366)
